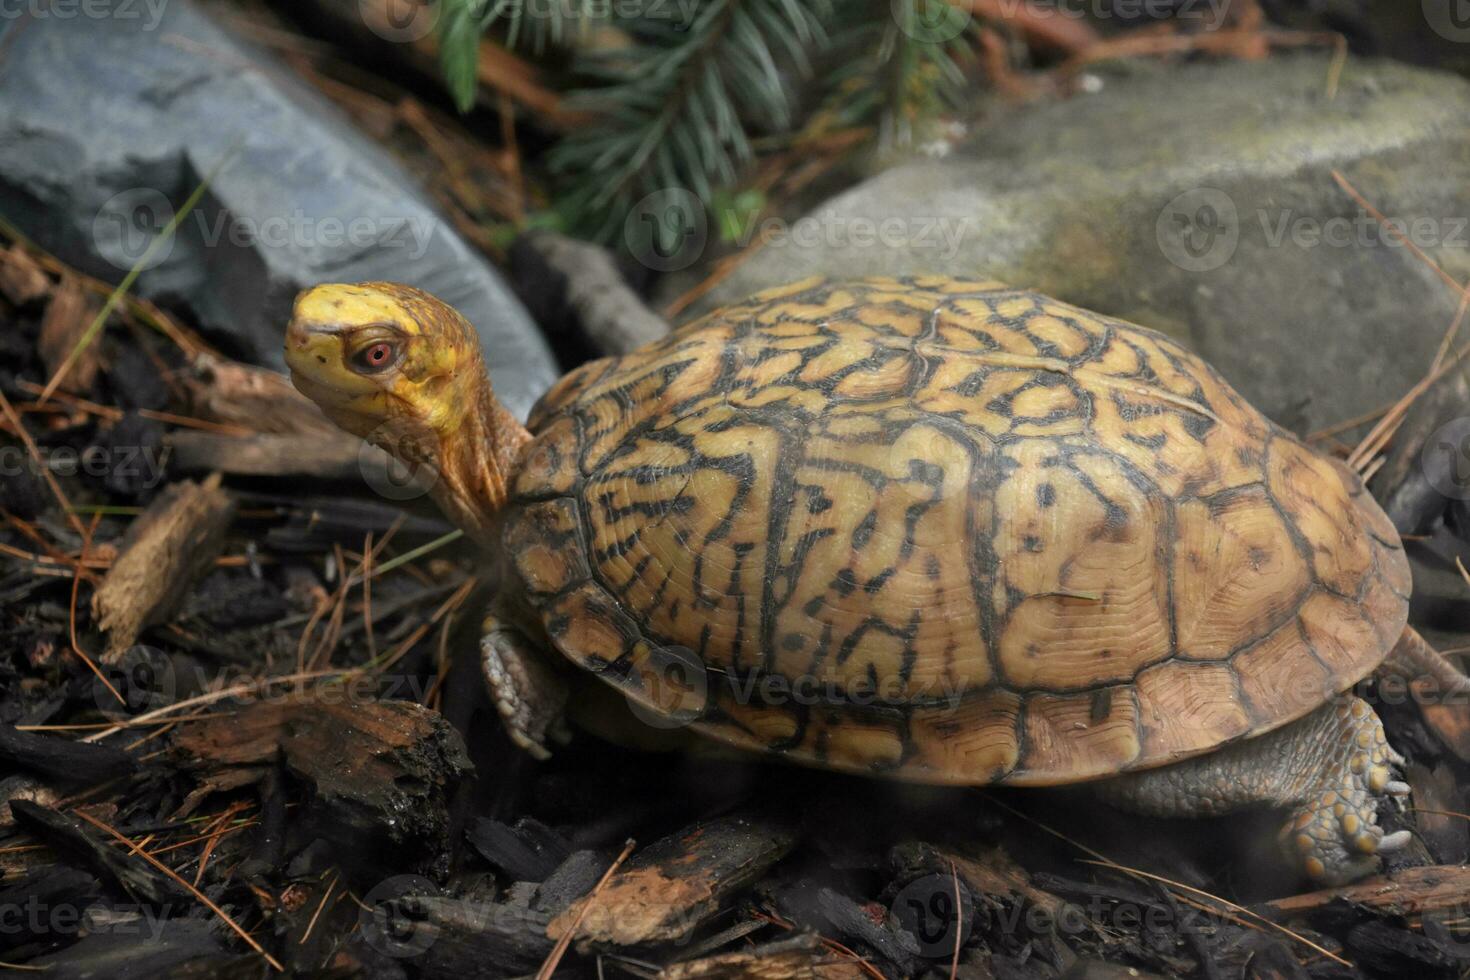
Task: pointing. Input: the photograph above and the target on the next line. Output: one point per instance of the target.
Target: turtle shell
(948, 531)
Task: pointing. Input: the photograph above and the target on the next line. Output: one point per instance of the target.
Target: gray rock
(107, 124)
(1186, 199)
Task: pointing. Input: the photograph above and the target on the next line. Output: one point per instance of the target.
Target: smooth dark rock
(108, 124)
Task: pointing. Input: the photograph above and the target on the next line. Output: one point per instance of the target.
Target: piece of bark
(174, 542)
(379, 773)
(472, 939)
(584, 283)
(873, 929)
(22, 280)
(25, 788)
(1393, 951)
(1412, 891)
(67, 318)
(69, 835)
(798, 957)
(175, 947)
(529, 851)
(670, 888)
(329, 456)
(574, 878)
(52, 887)
(253, 398)
(63, 760)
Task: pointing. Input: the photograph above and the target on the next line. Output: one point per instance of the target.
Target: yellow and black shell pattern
(947, 531)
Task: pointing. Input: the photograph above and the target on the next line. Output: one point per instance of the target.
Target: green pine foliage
(900, 65)
(693, 86)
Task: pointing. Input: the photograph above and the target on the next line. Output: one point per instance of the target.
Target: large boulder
(1199, 200)
(108, 123)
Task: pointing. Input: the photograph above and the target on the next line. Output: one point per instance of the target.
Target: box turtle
(926, 528)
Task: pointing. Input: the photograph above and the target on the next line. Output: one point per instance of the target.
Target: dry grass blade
(411, 555)
(178, 880)
(117, 295)
(238, 690)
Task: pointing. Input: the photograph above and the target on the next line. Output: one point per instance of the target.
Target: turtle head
(382, 359)
(396, 366)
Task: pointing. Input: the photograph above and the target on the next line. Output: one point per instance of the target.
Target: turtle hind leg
(1328, 770)
(528, 693)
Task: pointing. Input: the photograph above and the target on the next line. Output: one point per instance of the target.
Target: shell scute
(544, 540)
(1238, 573)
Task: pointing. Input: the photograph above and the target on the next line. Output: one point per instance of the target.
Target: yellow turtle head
(385, 361)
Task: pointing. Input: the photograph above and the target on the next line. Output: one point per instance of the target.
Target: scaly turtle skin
(939, 530)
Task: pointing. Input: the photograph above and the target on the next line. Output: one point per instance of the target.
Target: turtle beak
(310, 350)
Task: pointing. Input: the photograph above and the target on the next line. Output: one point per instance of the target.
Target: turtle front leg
(1329, 770)
(527, 691)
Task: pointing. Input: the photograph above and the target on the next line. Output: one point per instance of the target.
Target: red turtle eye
(375, 357)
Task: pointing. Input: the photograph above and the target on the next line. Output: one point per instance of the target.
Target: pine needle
(1098, 858)
(553, 959)
(178, 880)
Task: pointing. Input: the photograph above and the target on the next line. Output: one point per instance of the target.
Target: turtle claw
(1335, 837)
(1394, 842)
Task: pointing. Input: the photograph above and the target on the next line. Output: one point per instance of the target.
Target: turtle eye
(375, 358)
